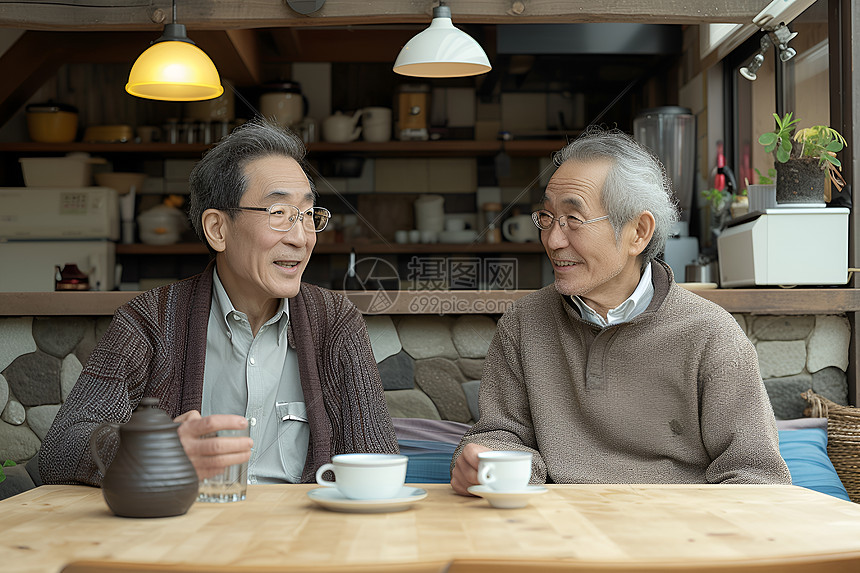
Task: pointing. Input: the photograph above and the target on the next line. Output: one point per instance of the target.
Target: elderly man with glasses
(615, 374)
(245, 342)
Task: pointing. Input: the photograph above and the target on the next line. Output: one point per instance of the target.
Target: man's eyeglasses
(283, 217)
(544, 220)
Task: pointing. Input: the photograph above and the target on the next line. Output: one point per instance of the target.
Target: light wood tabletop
(43, 529)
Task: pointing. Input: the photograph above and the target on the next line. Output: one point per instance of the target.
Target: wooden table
(45, 528)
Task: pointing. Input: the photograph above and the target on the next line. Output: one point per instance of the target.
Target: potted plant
(802, 159)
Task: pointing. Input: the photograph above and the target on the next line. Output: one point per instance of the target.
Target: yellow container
(52, 123)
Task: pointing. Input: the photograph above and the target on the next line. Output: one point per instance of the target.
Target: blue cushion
(805, 452)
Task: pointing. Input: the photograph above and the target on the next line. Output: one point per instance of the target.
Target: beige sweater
(673, 396)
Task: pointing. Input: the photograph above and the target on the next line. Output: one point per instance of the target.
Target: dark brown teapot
(150, 476)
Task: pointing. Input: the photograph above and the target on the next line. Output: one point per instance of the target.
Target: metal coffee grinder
(670, 133)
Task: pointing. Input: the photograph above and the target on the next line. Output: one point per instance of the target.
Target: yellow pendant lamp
(174, 69)
(442, 51)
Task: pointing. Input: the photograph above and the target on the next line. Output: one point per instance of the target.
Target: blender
(669, 132)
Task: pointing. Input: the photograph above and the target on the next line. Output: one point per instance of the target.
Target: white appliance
(786, 247)
(41, 229)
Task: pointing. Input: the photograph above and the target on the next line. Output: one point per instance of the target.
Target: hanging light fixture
(174, 69)
(442, 51)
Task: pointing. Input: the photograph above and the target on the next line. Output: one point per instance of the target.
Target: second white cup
(505, 471)
(366, 476)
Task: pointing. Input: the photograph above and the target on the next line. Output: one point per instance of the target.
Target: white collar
(635, 304)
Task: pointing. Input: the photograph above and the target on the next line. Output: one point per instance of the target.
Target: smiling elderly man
(246, 339)
(615, 374)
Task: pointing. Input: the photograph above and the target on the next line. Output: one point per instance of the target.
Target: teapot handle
(506, 229)
(94, 438)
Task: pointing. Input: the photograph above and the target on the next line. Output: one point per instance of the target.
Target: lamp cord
(174, 11)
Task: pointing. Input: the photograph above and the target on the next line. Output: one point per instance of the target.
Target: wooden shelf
(345, 248)
(441, 148)
(188, 149)
(755, 301)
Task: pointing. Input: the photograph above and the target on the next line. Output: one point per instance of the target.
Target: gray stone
(427, 337)
(472, 368)
(40, 418)
(410, 404)
(397, 372)
(4, 393)
(17, 443)
(778, 358)
(742, 322)
(14, 413)
(383, 337)
(828, 345)
(783, 327)
(785, 396)
(440, 379)
(91, 338)
(35, 379)
(70, 370)
(16, 338)
(470, 388)
(831, 383)
(472, 335)
(59, 335)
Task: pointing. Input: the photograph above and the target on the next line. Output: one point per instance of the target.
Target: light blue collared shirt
(257, 377)
(635, 304)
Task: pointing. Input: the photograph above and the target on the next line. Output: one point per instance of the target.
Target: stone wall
(430, 366)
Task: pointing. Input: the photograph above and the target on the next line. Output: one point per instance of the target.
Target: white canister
(377, 124)
(430, 213)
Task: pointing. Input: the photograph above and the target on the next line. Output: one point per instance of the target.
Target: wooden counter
(755, 301)
(47, 527)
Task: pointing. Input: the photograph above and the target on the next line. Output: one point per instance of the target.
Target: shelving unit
(441, 148)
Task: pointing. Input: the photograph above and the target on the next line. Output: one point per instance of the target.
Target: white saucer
(331, 498)
(507, 499)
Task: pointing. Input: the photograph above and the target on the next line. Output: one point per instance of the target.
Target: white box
(786, 247)
(64, 213)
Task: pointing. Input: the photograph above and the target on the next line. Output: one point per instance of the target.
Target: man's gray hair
(636, 182)
(218, 180)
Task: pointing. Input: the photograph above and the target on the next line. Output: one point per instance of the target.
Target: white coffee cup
(366, 476)
(505, 471)
(401, 237)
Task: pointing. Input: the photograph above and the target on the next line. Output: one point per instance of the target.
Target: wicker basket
(843, 439)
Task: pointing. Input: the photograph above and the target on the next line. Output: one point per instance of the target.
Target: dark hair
(636, 182)
(218, 180)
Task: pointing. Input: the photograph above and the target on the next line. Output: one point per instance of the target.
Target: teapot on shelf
(70, 277)
(340, 128)
(150, 476)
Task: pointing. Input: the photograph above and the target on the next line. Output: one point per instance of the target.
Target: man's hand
(211, 456)
(465, 472)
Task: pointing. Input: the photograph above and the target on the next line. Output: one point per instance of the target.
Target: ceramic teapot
(150, 476)
(340, 128)
(70, 277)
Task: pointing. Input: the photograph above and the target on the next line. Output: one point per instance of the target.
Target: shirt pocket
(293, 435)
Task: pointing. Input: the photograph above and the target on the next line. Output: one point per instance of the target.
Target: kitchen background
(496, 134)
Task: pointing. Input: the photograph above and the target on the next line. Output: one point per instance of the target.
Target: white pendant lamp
(442, 51)
(174, 69)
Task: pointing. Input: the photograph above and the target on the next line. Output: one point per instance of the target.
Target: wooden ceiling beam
(236, 53)
(25, 67)
(353, 45)
(230, 14)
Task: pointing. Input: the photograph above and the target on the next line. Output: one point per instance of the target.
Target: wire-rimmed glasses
(283, 217)
(544, 219)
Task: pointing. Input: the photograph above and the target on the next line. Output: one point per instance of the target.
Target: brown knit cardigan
(156, 346)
